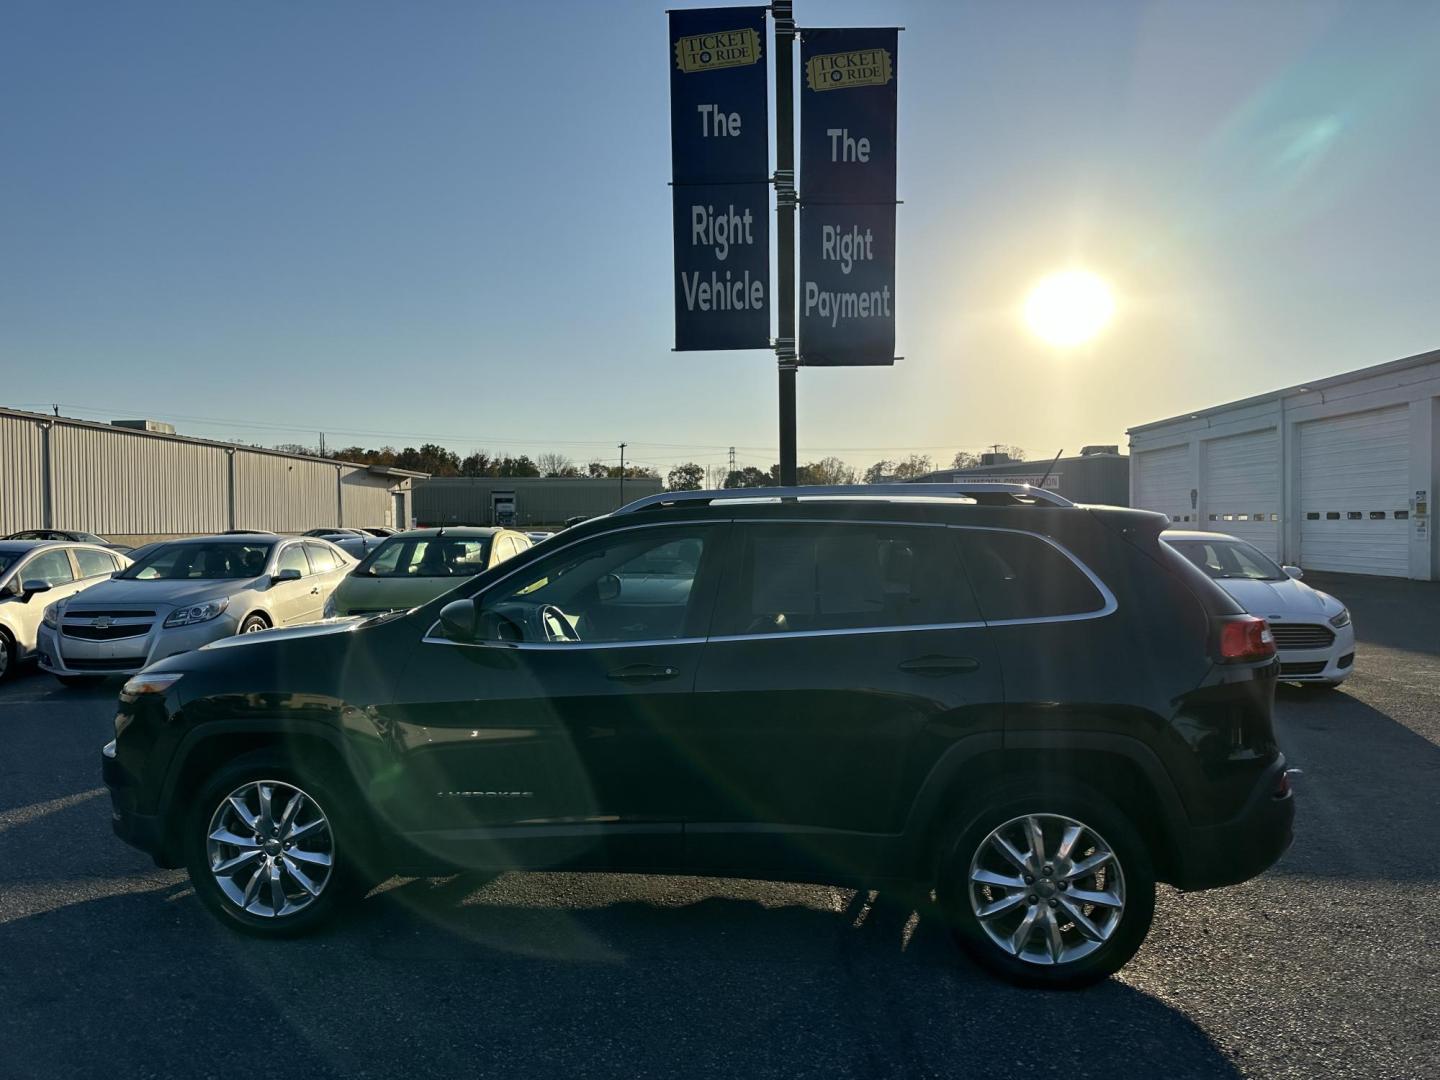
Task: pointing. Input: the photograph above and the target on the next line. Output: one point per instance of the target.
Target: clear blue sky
(439, 220)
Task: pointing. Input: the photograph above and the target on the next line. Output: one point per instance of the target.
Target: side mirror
(459, 620)
(608, 587)
(31, 588)
(288, 574)
(1294, 572)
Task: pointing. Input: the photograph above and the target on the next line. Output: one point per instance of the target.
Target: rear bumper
(143, 831)
(1246, 845)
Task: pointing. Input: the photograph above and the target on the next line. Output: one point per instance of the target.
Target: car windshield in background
(421, 557)
(1229, 559)
(9, 559)
(219, 560)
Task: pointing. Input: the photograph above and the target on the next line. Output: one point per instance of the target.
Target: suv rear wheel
(1049, 888)
(266, 848)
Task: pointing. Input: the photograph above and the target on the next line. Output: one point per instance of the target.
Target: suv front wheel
(264, 848)
(1049, 889)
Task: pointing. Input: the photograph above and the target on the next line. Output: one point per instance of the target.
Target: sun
(1069, 307)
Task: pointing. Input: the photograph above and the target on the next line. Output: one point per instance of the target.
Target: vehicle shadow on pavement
(1337, 829)
(535, 975)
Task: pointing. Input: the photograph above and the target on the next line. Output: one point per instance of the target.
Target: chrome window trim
(1109, 607)
(554, 646)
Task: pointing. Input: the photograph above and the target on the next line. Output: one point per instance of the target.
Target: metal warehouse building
(1100, 474)
(133, 484)
(1336, 474)
(483, 500)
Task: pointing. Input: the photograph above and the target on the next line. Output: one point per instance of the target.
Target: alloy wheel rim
(271, 849)
(1047, 889)
(254, 627)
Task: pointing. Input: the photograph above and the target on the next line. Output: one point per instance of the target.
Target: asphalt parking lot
(1329, 965)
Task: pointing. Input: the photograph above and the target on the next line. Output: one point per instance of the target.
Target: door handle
(643, 673)
(315, 591)
(940, 665)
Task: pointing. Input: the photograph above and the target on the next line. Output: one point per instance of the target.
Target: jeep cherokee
(1031, 709)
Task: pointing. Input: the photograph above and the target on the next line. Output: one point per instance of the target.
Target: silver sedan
(182, 594)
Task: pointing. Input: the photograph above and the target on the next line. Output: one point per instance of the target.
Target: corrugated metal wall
(110, 481)
(22, 468)
(366, 499)
(538, 501)
(284, 494)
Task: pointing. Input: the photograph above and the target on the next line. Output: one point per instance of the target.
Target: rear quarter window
(1020, 576)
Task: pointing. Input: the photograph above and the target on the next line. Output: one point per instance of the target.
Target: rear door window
(844, 576)
(1020, 576)
(94, 563)
(322, 559)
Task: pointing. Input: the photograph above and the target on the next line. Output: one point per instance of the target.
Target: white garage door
(1162, 482)
(1240, 488)
(1355, 493)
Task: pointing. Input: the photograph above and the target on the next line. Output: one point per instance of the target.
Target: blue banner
(847, 115)
(719, 96)
(847, 284)
(720, 168)
(722, 266)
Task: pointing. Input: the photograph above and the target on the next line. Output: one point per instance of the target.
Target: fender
(930, 805)
(258, 725)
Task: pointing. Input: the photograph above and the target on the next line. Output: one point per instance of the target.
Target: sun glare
(1069, 307)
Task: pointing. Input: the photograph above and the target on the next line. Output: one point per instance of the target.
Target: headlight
(51, 618)
(187, 616)
(144, 683)
(1343, 619)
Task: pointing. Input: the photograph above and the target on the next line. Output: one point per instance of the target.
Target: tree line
(829, 472)
(689, 476)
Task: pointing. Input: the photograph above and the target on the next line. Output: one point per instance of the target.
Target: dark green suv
(1034, 709)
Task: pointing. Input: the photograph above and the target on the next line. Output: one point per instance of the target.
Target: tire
(310, 891)
(253, 624)
(1070, 956)
(80, 682)
(9, 657)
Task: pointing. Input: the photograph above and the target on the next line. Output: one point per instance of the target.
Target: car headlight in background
(1343, 619)
(51, 617)
(198, 613)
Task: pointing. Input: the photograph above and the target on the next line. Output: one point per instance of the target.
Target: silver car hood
(1288, 599)
(179, 593)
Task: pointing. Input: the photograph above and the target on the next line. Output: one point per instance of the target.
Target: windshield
(217, 560)
(9, 559)
(427, 557)
(1223, 559)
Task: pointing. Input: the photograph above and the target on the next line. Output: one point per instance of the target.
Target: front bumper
(143, 831)
(1246, 845)
(1333, 664)
(63, 655)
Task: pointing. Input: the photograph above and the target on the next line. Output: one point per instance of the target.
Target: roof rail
(989, 494)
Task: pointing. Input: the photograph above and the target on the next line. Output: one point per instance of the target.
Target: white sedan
(1312, 629)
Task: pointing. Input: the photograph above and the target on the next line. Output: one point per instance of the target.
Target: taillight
(1245, 638)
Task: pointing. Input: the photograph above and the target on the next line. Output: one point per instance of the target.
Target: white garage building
(1336, 474)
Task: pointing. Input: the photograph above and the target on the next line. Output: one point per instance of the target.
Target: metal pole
(622, 473)
(783, 14)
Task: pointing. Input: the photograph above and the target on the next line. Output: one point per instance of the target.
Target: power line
(695, 449)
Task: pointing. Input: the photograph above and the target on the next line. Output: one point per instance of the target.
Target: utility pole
(732, 461)
(322, 444)
(622, 473)
(783, 13)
